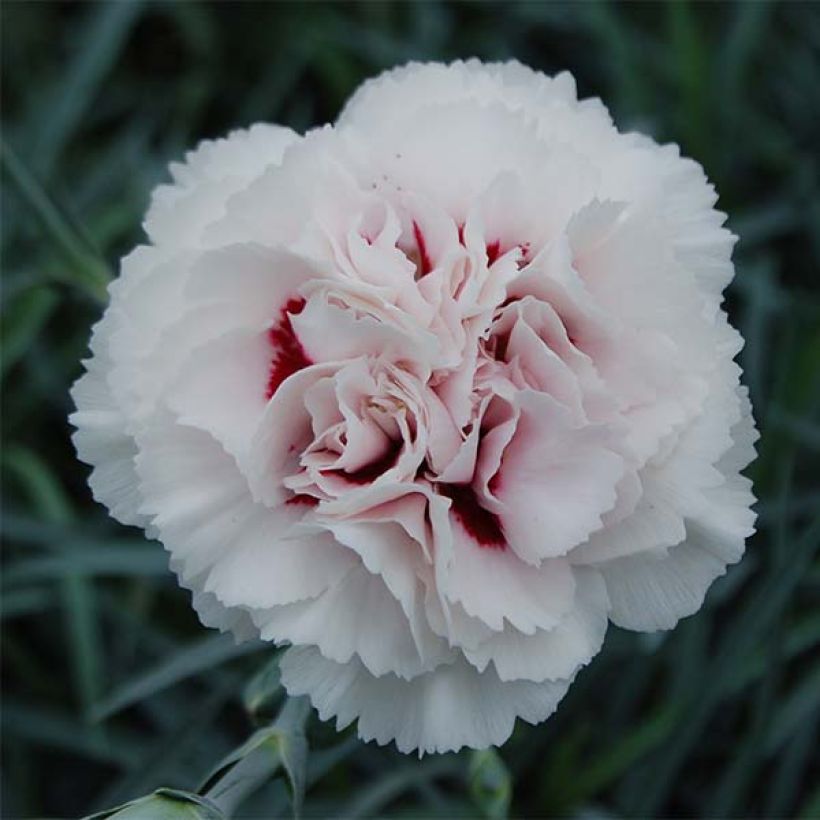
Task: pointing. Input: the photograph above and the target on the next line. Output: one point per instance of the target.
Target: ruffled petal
(551, 654)
(441, 711)
(101, 436)
(356, 616)
(555, 481)
(180, 212)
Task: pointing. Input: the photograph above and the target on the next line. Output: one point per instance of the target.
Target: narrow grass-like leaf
(87, 270)
(263, 691)
(373, 798)
(761, 610)
(490, 783)
(165, 758)
(653, 730)
(39, 483)
(111, 559)
(22, 321)
(96, 51)
(794, 710)
(25, 602)
(59, 731)
(791, 768)
(202, 656)
(49, 499)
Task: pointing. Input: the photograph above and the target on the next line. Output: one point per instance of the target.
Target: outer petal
(652, 591)
(551, 654)
(440, 711)
(181, 211)
(356, 616)
(220, 540)
(407, 90)
(101, 437)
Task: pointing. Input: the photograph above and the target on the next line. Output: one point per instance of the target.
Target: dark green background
(719, 717)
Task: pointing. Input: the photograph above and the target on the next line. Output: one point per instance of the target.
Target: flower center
(370, 472)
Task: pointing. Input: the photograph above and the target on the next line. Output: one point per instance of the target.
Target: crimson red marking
(494, 483)
(493, 251)
(502, 341)
(461, 234)
(288, 354)
(425, 265)
(481, 525)
(302, 499)
(370, 472)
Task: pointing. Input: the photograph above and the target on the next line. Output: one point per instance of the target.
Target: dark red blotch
(288, 354)
(370, 472)
(302, 500)
(425, 265)
(481, 525)
(493, 251)
(493, 248)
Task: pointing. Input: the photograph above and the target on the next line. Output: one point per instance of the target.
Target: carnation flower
(429, 396)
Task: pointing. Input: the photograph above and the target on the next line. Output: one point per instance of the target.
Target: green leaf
(810, 810)
(163, 804)
(22, 321)
(55, 730)
(95, 52)
(263, 691)
(112, 559)
(794, 710)
(373, 797)
(197, 658)
(259, 759)
(88, 271)
(651, 732)
(490, 783)
(25, 602)
(48, 497)
(688, 45)
(39, 482)
(175, 750)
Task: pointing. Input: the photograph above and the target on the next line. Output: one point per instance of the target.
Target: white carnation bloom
(430, 395)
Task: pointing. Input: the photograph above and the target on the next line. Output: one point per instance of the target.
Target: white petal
(495, 585)
(651, 591)
(215, 615)
(181, 211)
(356, 616)
(222, 388)
(655, 523)
(101, 437)
(556, 479)
(441, 711)
(551, 654)
(213, 529)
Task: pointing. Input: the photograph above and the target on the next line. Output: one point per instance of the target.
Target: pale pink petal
(556, 480)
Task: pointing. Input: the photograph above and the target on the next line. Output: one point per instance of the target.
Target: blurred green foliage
(111, 689)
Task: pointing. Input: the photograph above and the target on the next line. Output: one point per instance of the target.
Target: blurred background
(111, 688)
